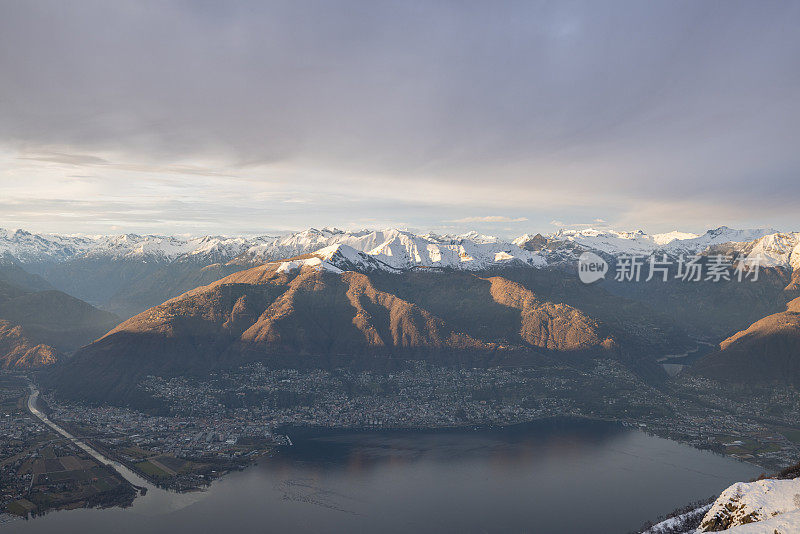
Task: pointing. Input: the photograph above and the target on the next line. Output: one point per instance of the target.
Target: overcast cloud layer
(501, 116)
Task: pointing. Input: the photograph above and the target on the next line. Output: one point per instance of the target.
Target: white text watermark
(686, 268)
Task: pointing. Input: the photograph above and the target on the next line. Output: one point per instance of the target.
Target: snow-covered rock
(676, 524)
(747, 503)
(347, 258)
(776, 250)
(669, 237)
(788, 523)
(315, 263)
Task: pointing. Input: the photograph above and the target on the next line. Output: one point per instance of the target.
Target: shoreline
(554, 420)
(312, 432)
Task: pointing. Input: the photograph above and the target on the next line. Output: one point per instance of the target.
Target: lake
(564, 476)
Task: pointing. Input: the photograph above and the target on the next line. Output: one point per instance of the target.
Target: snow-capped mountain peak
(395, 249)
(669, 237)
(639, 243)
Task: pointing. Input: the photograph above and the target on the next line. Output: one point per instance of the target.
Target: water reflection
(567, 476)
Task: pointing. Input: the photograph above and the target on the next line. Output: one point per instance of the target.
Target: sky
(498, 116)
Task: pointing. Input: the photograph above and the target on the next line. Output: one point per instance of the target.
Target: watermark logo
(591, 267)
(692, 268)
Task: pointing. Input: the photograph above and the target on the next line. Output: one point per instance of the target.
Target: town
(205, 427)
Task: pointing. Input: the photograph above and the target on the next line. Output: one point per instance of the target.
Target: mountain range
(129, 273)
(308, 311)
(322, 296)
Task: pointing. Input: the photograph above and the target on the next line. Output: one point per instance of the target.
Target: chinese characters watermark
(686, 268)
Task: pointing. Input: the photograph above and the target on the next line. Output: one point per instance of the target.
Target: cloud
(667, 114)
(77, 160)
(489, 219)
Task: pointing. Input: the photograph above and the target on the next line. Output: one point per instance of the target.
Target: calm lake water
(552, 477)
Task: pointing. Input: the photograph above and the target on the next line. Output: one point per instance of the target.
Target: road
(123, 471)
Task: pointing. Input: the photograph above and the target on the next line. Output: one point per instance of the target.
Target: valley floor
(43, 470)
(210, 426)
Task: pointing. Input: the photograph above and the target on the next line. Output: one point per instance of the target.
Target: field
(150, 468)
(65, 478)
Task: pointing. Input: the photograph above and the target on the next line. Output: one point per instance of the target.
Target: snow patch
(669, 525)
(315, 263)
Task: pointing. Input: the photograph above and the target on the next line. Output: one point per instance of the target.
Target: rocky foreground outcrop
(767, 506)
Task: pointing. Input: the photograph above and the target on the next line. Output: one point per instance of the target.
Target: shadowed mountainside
(767, 351)
(54, 318)
(711, 310)
(128, 286)
(12, 273)
(37, 326)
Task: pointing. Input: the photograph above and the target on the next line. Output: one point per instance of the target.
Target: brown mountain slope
(167, 282)
(769, 350)
(18, 351)
(545, 324)
(794, 284)
(53, 317)
(40, 324)
(311, 317)
(312, 311)
(325, 313)
(467, 302)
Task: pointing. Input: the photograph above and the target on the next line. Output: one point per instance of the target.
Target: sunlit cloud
(490, 219)
(256, 115)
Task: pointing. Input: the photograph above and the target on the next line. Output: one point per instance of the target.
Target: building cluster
(231, 415)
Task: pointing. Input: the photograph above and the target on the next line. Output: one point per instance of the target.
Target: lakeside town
(207, 427)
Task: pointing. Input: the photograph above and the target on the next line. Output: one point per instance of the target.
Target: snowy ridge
(394, 249)
(34, 248)
(777, 250)
(762, 506)
(400, 249)
(334, 258)
(719, 236)
(674, 523)
(788, 523)
(403, 250)
(613, 242)
(347, 258)
(315, 263)
(669, 237)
